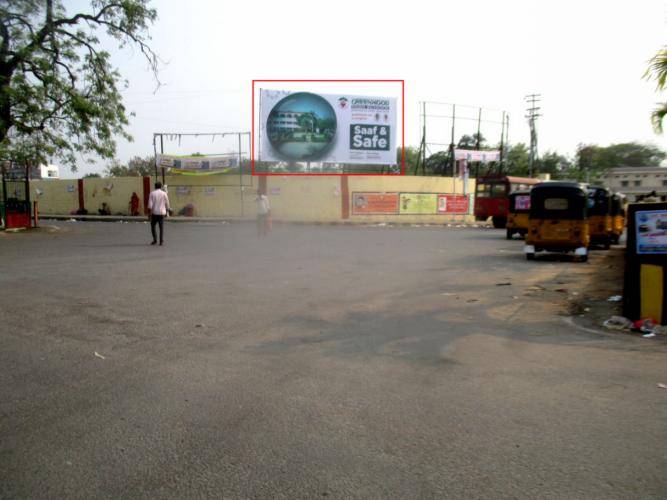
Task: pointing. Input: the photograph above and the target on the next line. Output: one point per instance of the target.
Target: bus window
(483, 190)
(498, 191)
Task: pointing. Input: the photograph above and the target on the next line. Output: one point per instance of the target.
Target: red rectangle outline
(252, 130)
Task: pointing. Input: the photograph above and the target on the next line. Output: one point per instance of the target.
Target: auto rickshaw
(599, 216)
(558, 219)
(517, 217)
(618, 205)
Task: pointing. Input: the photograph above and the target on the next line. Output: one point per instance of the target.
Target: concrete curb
(228, 220)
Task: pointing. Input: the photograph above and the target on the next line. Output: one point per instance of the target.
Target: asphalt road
(344, 362)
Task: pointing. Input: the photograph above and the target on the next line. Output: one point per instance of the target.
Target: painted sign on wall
(341, 128)
(374, 203)
(418, 203)
(452, 204)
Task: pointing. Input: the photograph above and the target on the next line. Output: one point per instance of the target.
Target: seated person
(105, 210)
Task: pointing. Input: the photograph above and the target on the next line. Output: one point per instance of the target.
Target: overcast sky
(586, 59)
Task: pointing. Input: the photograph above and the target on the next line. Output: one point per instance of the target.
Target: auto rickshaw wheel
(583, 258)
(607, 244)
(509, 234)
(530, 256)
(499, 222)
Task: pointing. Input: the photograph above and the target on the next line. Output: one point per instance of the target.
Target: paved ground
(321, 361)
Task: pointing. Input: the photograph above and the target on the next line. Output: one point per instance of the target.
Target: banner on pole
(473, 155)
(327, 128)
(198, 165)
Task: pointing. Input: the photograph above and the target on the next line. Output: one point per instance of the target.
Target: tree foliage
(657, 71)
(472, 142)
(59, 94)
(136, 167)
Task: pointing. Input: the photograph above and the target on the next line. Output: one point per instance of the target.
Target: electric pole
(532, 114)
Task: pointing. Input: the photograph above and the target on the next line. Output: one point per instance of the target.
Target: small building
(48, 172)
(635, 181)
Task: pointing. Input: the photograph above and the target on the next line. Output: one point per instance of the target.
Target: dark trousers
(157, 219)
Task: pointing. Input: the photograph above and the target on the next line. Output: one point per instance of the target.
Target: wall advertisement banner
(418, 203)
(327, 128)
(651, 231)
(452, 204)
(374, 203)
(380, 203)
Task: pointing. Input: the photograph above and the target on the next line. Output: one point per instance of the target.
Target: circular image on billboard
(301, 127)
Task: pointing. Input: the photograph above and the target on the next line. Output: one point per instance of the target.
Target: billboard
(327, 128)
(374, 203)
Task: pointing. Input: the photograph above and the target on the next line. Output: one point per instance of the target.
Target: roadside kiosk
(645, 282)
(16, 210)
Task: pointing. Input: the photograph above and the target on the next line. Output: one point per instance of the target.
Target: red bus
(492, 196)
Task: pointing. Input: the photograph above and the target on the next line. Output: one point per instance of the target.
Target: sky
(586, 58)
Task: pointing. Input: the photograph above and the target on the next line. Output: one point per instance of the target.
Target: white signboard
(472, 155)
(341, 128)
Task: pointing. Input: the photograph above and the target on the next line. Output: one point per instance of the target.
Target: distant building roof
(637, 170)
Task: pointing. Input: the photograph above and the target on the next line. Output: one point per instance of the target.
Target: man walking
(263, 213)
(158, 207)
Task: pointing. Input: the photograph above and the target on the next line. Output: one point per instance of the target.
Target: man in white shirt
(158, 207)
(263, 213)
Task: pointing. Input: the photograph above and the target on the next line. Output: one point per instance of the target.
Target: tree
(516, 160)
(59, 94)
(474, 141)
(657, 71)
(591, 160)
(554, 164)
(411, 158)
(136, 167)
(439, 163)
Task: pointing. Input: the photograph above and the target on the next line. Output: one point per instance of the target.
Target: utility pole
(532, 114)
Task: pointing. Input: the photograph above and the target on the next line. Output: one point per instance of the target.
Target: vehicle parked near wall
(599, 216)
(558, 219)
(619, 204)
(519, 210)
(492, 196)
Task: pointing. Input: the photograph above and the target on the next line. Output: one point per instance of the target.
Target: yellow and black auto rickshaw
(558, 219)
(599, 216)
(517, 217)
(618, 205)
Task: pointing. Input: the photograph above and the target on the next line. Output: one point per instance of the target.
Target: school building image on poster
(327, 128)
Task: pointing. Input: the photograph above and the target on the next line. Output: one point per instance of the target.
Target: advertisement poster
(452, 204)
(418, 203)
(327, 128)
(209, 190)
(651, 231)
(522, 202)
(182, 190)
(374, 203)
